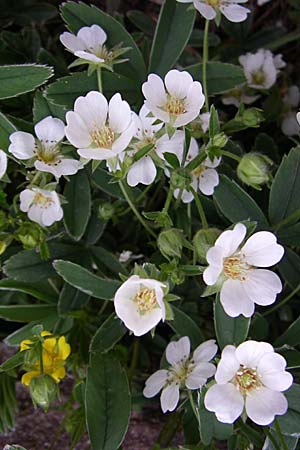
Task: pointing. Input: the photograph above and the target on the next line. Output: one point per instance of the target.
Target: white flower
(144, 171)
(261, 68)
(88, 44)
(251, 376)
(229, 8)
(204, 177)
(290, 125)
(98, 129)
(185, 371)
(238, 96)
(3, 163)
(177, 104)
(244, 285)
(41, 206)
(45, 149)
(139, 304)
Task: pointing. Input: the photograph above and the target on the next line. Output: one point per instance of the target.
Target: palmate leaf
(19, 79)
(6, 129)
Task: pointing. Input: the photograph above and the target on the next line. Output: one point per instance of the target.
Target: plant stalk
(204, 64)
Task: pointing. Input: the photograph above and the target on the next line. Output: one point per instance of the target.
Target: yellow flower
(54, 354)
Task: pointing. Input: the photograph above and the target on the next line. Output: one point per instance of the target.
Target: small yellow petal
(27, 377)
(59, 374)
(46, 333)
(25, 345)
(64, 348)
(49, 345)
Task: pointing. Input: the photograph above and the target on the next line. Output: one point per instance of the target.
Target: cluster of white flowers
(249, 379)
(229, 8)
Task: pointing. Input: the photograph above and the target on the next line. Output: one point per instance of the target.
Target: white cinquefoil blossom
(88, 44)
(186, 371)
(261, 68)
(3, 163)
(41, 206)
(44, 149)
(178, 101)
(229, 8)
(241, 270)
(98, 129)
(251, 377)
(139, 303)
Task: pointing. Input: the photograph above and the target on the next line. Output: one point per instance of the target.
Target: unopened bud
(252, 117)
(254, 169)
(43, 390)
(203, 240)
(180, 179)
(170, 243)
(219, 140)
(106, 211)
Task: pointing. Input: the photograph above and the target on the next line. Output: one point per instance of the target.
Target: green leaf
(290, 422)
(102, 180)
(78, 209)
(221, 77)
(290, 235)
(14, 361)
(289, 268)
(107, 402)
(183, 325)
(290, 442)
(26, 332)
(6, 129)
(86, 281)
(26, 313)
(142, 21)
(28, 266)
(107, 335)
(70, 299)
(78, 15)
(229, 330)
(17, 286)
(284, 194)
(43, 108)
(64, 91)
(174, 28)
(236, 204)
(291, 336)
(108, 259)
(19, 79)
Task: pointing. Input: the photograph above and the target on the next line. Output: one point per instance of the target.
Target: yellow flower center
(258, 77)
(42, 200)
(199, 170)
(103, 137)
(213, 3)
(175, 106)
(146, 300)
(47, 151)
(246, 380)
(236, 268)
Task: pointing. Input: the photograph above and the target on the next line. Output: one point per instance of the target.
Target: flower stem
(280, 435)
(230, 155)
(204, 63)
(200, 208)
(272, 439)
(195, 410)
(168, 200)
(134, 210)
(134, 359)
(99, 79)
(283, 302)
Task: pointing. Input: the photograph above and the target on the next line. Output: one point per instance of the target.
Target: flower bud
(180, 179)
(30, 235)
(43, 390)
(170, 243)
(252, 117)
(219, 140)
(203, 240)
(254, 169)
(106, 211)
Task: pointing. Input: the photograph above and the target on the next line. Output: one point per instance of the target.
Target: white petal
(198, 377)
(22, 145)
(178, 83)
(71, 42)
(263, 286)
(214, 257)
(3, 163)
(235, 299)
(169, 397)
(225, 401)
(262, 250)
(155, 383)
(208, 180)
(290, 125)
(88, 56)
(92, 109)
(93, 37)
(249, 353)
(50, 130)
(76, 130)
(235, 13)
(51, 215)
(63, 167)
(230, 240)
(262, 405)
(154, 91)
(178, 351)
(205, 10)
(271, 370)
(143, 171)
(119, 114)
(205, 351)
(228, 365)
(35, 214)
(99, 154)
(26, 199)
(123, 141)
